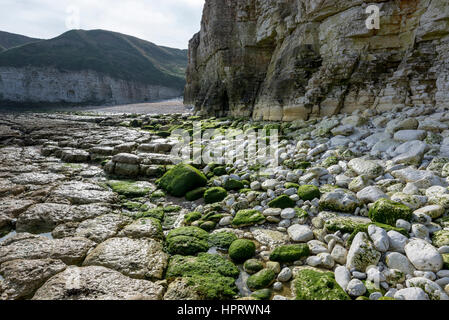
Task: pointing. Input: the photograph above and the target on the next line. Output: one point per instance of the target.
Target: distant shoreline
(169, 106)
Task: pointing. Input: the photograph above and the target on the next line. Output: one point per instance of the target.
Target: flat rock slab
(28, 246)
(97, 283)
(24, 277)
(81, 193)
(35, 178)
(136, 258)
(44, 217)
(102, 228)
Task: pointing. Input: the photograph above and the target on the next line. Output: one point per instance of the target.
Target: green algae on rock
(181, 179)
(245, 218)
(195, 194)
(232, 184)
(261, 280)
(309, 192)
(241, 250)
(192, 217)
(290, 253)
(263, 294)
(388, 212)
(282, 202)
(222, 240)
(214, 195)
(210, 275)
(441, 238)
(252, 266)
(187, 241)
(311, 284)
(130, 189)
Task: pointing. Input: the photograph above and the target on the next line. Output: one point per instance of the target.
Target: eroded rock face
(23, 277)
(27, 246)
(287, 60)
(136, 258)
(75, 87)
(97, 283)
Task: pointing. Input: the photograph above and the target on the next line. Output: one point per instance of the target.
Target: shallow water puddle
(241, 283)
(9, 235)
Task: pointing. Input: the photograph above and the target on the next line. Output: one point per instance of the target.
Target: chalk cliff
(299, 59)
(49, 85)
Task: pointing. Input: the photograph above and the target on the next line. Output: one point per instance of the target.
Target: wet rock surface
(84, 213)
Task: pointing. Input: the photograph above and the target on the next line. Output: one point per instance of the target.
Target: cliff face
(299, 59)
(48, 85)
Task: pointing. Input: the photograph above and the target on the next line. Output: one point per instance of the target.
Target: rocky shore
(94, 207)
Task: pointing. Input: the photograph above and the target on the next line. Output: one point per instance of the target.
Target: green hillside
(11, 40)
(2, 49)
(114, 54)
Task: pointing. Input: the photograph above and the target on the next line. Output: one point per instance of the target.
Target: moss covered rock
(192, 217)
(441, 238)
(211, 276)
(309, 192)
(264, 294)
(232, 184)
(245, 218)
(204, 263)
(445, 260)
(261, 280)
(181, 179)
(388, 212)
(282, 202)
(196, 194)
(219, 171)
(252, 266)
(157, 213)
(290, 253)
(187, 241)
(222, 240)
(131, 189)
(241, 250)
(311, 284)
(214, 195)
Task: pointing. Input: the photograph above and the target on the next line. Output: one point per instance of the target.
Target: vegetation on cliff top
(117, 55)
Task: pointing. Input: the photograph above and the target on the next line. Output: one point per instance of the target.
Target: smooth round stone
(359, 275)
(420, 231)
(379, 237)
(342, 276)
(300, 233)
(443, 249)
(374, 275)
(278, 297)
(411, 294)
(272, 212)
(288, 213)
(313, 261)
(398, 261)
(285, 223)
(277, 286)
(397, 241)
(424, 256)
(375, 296)
(356, 288)
(285, 275)
(404, 225)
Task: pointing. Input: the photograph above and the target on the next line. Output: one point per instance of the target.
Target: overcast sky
(165, 22)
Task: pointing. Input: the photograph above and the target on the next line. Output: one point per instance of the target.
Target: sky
(165, 22)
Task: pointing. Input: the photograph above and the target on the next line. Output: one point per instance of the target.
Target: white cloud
(164, 22)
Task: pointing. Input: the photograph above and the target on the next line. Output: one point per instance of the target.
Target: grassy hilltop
(114, 54)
